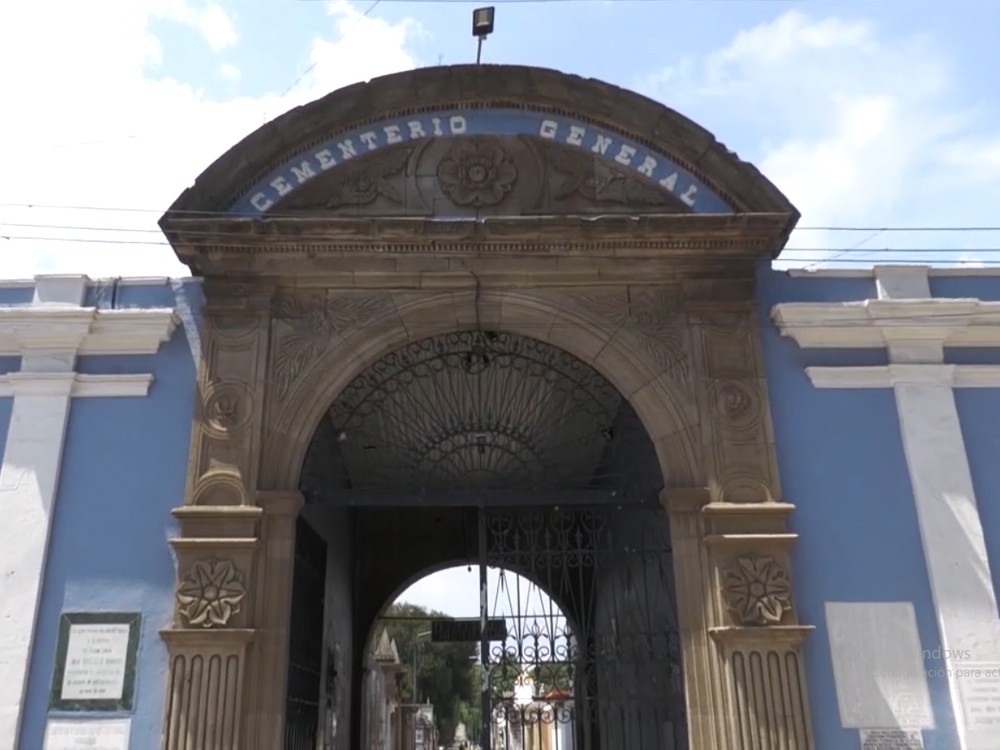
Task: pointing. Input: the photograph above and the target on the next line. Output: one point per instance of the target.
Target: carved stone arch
(655, 293)
(657, 397)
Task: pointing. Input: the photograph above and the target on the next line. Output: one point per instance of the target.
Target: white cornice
(890, 376)
(869, 273)
(881, 323)
(74, 384)
(83, 330)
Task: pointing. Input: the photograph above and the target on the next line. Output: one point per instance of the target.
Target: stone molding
(423, 253)
(890, 376)
(86, 331)
(75, 385)
(876, 323)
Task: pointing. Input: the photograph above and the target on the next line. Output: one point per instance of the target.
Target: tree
(445, 671)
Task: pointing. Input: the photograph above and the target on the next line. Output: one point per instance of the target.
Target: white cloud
(209, 19)
(96, 128)
(855, 126)
(230, 72)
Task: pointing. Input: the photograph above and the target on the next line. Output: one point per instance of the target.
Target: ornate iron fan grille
(476, 410)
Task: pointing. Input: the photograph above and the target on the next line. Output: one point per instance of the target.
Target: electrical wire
(201, 213)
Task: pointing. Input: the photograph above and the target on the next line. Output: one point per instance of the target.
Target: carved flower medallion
(476, 173)
(210, 593)
(757, 590)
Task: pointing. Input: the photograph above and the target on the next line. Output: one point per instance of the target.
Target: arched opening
(500, 452)
(426, 660)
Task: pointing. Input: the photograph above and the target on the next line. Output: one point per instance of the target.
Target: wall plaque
(891, 739)
(95, 661)
(877, 665)
(83, 734)
(979, 685)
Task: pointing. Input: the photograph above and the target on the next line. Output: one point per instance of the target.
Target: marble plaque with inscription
(95, 662)
(891, 739)
(95, 666)
(82, 734)
(877, 665)
(979, 685)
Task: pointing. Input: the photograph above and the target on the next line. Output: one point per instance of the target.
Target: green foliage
(446, 674)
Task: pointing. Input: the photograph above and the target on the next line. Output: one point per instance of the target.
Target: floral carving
(210, 593)
(652, 315)
(600, 182)
(312, 322)
(757, 590)
(476, 173)
(371, 180)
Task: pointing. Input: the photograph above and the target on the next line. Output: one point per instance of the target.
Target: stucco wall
(9, 296)
(978, 410)
(123, 469)
(842, 464)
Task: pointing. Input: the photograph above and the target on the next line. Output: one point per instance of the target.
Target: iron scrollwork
(596, 661)
(476, 410)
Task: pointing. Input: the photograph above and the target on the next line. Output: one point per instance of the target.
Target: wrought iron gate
(305, 657)
(601, 668)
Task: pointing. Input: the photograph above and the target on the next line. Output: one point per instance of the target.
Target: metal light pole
(416, 650)
(482, 27)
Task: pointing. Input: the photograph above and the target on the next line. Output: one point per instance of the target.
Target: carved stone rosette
(210, 593)
(757, 590)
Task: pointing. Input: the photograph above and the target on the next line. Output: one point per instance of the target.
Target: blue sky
(864, 113)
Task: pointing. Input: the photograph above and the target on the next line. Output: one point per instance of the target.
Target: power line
(195, 213)
(337, 41)
(792, 255)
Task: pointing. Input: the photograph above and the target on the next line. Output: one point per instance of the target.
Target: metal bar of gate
(486, 736)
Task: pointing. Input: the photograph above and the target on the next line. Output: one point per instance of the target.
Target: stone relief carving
(373, 180)
(735, 404)
(227, 408)
(597, 181)
(210, 593)
(476, 172)
(757, 590)
(654, 315)
(310, 322)
(456, 175)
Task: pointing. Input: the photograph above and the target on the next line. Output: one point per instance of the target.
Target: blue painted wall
(15, 293)
(123, 471)
(841, 462)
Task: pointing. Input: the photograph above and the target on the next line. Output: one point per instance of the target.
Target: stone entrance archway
(485, 198)
(498, 450)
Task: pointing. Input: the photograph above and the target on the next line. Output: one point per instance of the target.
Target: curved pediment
(477, 176)
(628, 150)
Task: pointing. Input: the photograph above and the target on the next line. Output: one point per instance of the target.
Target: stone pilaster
(706, 696)
(272, 604)
(217, 608)
(758, 695)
